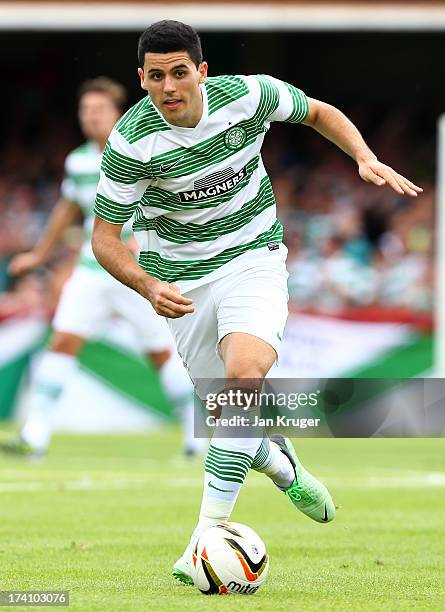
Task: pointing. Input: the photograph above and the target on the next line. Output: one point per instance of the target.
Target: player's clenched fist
(167, 300)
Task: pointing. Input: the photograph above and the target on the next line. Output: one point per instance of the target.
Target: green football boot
(182, 569)
(306, 493)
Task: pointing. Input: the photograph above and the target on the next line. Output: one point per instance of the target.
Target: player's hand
(167, 300)
(379, 174)
(24, 262)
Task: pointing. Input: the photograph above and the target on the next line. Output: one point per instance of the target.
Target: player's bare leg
(246, 356)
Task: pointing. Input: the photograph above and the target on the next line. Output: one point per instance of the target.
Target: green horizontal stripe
(225, 478)
(227, 469)
(171, 271)
(131, 113)
(141, 121)
(228, 465)
(123, 169)
(111, 211)
(181, 233)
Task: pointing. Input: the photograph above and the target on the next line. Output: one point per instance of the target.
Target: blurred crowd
(351, 244)
(31, 170)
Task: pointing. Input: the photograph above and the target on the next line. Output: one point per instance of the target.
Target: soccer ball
(229, 558)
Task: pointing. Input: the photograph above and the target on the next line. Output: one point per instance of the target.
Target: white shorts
(92, 298)
(252, 300)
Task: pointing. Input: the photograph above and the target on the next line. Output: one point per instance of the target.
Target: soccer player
(186, 161)
(91, 296)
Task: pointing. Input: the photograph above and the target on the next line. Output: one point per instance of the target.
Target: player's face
(97, 115)
(172, 80)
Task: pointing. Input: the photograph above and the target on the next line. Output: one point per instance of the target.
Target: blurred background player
(91, 296)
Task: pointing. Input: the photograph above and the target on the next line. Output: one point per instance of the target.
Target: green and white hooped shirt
(79, 185)
(200, 196)
(82, 171)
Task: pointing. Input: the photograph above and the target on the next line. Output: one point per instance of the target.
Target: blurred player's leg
(81, 311)
(56, 366)
(179, 389)
(157, 343)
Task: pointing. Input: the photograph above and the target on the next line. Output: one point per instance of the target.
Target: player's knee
(244, 370)
(246, 356)
(69, 344)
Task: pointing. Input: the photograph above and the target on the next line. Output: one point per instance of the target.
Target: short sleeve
(287, 103)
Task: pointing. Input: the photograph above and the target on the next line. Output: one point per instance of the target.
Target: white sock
(271, 461)
(51, 374)
(179, 389)
(227, 463)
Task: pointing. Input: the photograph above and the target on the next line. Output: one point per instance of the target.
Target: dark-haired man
(91, 297)
(186, 159)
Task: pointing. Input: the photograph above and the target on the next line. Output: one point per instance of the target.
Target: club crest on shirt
(235, 138)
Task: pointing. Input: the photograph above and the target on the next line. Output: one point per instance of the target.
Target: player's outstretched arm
(117, 259)
(62, 216)
(336, 127)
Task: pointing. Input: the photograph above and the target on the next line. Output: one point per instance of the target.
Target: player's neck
(195, 116)
(198, 113)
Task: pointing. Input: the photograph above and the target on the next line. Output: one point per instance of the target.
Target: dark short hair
(114, 90)
(167, 36)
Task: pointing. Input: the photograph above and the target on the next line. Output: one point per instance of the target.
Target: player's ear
(142, 77)
(202, 69)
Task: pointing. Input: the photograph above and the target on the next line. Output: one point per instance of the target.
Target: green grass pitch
(106, 516)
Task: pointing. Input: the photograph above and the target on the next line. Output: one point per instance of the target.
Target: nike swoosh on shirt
(164, 168)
